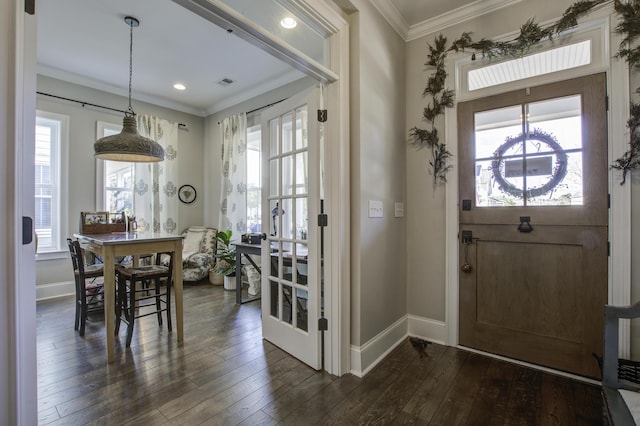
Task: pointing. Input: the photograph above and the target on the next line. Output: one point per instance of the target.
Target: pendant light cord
(130, 109)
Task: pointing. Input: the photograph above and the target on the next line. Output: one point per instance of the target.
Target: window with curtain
(50, 179)
(254, 184)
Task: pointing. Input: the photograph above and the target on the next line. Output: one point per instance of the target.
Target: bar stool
(131, 297)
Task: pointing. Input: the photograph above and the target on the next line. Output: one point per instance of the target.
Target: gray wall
(82, 165)
(378, 172)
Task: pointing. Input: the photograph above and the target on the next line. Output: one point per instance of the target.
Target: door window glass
(530, 154)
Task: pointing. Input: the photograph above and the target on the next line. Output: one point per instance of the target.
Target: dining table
(119, 244)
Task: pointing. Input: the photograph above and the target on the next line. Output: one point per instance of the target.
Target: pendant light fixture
(129, 145)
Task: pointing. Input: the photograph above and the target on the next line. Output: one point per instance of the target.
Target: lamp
(129, 145)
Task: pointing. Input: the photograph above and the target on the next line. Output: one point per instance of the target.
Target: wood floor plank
(490, 405)
(431, 393)
(224, 373)
(458, 402)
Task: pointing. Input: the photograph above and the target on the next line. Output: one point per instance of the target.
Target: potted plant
(226, 259)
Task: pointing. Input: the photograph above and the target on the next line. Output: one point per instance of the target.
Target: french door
(290, 207)
(534, 223)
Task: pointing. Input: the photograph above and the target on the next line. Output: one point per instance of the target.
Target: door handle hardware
(466, 237)
(27, 230)
(525, 224)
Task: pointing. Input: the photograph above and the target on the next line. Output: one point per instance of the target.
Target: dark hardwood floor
(226, 374)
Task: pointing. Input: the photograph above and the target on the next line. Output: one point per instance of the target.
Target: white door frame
(620, 212)
(18, 328)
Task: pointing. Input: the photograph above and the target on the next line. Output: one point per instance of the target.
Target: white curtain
(233, 193)
(155, 194)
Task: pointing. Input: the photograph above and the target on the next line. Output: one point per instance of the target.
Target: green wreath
(558, 174)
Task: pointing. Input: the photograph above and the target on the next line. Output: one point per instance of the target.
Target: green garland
(531, 34)
(630, 26)
(441, 98)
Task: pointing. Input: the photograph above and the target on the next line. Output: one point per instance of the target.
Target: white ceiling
(87, 42)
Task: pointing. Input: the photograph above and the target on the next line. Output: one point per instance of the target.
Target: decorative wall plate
(187, 194)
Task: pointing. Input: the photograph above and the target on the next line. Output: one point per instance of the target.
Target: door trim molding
(619, 284)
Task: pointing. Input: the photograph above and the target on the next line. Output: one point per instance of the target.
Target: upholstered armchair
(198, 252)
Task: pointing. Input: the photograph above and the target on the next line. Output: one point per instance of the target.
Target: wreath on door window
(558, 174)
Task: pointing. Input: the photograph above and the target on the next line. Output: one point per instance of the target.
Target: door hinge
(608, 249)
(606, 102)
(608, 201)
(323, 220)
(323, 324)
(322, 115)
(30, 7)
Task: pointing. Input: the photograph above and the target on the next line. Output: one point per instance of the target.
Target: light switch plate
(375, 208)
(399, 209)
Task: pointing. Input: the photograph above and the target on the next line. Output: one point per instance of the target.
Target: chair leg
(158, 304)
(169, 303)
(131, 309)
(120, 298)
(83, 314)
(76, 325)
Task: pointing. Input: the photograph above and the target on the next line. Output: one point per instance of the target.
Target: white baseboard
(367, 356)
(427, 329)
(53, 290)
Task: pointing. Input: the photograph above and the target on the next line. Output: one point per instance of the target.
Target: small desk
(110, 246)
(246, 249)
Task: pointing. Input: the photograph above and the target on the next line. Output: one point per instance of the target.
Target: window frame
(60, 187)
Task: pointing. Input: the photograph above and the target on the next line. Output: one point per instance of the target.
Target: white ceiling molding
(457, 16)
(440, 22)
(105, 87)
(393, 17)
(255, 91)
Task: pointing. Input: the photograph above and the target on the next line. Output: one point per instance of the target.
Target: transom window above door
(530, 154)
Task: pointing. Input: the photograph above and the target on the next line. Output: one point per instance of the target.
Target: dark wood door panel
(535, 296)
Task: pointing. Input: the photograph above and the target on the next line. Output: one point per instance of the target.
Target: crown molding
(457, 16)
(109, 88)
(286, 78)
(440, 22)
(393, 17)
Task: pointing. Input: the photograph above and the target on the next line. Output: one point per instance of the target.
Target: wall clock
(187, 194)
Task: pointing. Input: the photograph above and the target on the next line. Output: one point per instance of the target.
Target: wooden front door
(533, 223)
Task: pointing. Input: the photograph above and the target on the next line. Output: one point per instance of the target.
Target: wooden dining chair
(89, 285)
(144, 291)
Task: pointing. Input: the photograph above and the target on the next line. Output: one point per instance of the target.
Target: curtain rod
(266, 106)
(83, 103)
(262, 107)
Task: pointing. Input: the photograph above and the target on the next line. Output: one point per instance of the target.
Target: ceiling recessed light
(179, 86)
(288, 22)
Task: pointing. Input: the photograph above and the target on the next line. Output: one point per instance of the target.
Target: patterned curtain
(233, 197)
(155, 195)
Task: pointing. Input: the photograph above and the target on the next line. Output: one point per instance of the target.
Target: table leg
(109, 300)
(177, 280)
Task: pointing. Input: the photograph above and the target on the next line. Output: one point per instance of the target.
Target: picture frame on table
(95, 218)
